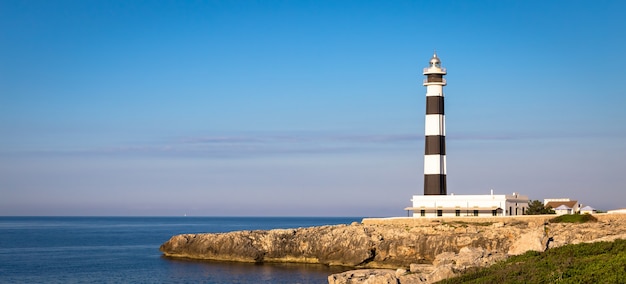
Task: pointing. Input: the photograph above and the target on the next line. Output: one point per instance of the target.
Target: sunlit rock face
(433, 248)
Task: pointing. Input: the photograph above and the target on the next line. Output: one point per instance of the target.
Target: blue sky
(303, 108)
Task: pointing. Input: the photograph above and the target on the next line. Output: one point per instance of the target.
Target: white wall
(510, 204)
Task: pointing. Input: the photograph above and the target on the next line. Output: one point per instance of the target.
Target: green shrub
(601, 262)
(465, 224)
(575, 218)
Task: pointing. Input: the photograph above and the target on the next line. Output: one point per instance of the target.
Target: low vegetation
(464, 224)
(601, 262)
(574, 218)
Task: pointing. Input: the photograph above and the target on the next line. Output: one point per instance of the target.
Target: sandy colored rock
(533, 239)
(365, 276)
(421, 268)
(331, 245)
(441, 272)
(430, 249)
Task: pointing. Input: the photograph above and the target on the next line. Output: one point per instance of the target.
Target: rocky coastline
(397, 250)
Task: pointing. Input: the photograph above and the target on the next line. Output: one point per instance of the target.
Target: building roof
(435, 59)
(587, 208)
(454, 208)
(563, 207)
(556, 204)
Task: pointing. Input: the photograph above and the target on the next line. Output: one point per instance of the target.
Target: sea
(126, 250)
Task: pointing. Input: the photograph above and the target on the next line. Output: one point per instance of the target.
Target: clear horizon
(303, 108)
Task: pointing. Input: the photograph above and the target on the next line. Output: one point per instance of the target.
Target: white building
(588, 210)
(563, 210)
(617, 211)
(468, 205)
(562, 205)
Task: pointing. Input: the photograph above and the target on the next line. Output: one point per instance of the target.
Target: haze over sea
(126, 250)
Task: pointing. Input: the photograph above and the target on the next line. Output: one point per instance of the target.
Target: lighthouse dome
(434, 61)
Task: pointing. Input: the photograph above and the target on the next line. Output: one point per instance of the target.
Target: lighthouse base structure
(468, 205)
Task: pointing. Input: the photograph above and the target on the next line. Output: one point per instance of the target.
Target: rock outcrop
(375, 276)
(445, 265)
(432, 249)
(344, 245)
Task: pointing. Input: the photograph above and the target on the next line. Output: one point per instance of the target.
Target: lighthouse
(435, 128)
(435, 202)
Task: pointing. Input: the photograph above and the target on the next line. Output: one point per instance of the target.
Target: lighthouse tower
(435, 152)
(435, 202)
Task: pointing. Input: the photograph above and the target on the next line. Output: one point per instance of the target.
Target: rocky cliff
(426, 245)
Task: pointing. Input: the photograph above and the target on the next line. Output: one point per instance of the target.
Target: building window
(457, 212)
(439, 213)
(422, 212)
(494, 212)
(475, 212)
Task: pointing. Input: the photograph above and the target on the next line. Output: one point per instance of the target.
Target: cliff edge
(423, 245)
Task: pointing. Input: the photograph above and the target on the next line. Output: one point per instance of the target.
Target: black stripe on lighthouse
(434, 105)
(435, 145)
(435, 184)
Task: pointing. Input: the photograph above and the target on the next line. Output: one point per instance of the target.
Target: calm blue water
(126, 249)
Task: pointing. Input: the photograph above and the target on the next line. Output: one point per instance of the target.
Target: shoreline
(424, 246)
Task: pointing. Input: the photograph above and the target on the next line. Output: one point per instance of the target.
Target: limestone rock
(444, 258)
(441, 272)
(375, 276)
(400, 272)
(469, 257)
(365, 276)
(431, 249)
(534, 239)
(412, 279)
(421, 268)
(331, 245)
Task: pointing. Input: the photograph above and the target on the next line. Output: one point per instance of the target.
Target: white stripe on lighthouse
(434, 164)
(435, 124)
(434, 90)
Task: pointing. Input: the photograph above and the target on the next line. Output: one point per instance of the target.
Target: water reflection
(207, 271)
